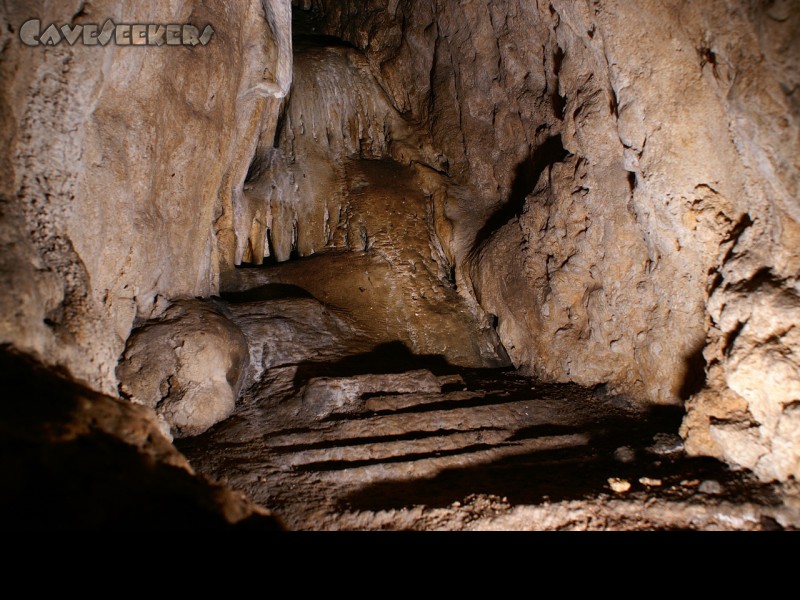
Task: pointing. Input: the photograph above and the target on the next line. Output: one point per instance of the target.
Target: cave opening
(430, 265)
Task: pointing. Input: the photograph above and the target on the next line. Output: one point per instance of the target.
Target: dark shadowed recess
(306, 22)
(304, 41)
(391, 357)
(308, 28)
(694, 378)
(569, 473)
(526, 175)
(558, 101)
(269, 291)
(61, 472)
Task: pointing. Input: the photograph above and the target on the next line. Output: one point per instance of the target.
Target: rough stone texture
(323, 396)
(623, 193)
(416, 459)
(188, 366)
(386, 295)
(283, 333)
(611, 186)
(122, 168)
(298, 192)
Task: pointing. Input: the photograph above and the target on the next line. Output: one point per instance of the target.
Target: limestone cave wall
(622, 192)
(121, 168)
(613, 185)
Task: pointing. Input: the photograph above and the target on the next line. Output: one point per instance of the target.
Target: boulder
(187, 366)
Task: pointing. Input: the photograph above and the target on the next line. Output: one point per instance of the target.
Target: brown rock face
(355, 185)
(599, 192)
(120, 166)
(623, 188)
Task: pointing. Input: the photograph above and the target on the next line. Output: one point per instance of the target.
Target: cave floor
(490, 450)
(357, 419)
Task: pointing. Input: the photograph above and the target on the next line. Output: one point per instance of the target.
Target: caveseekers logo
(32, 34)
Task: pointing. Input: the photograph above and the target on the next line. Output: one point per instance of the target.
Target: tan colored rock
(394, 292)
(619, 485)
(119, 179)
(784, 460)
(706, 407)
(286, 332)
(650, 481)
(613, 185)
(658, 250)
(346, 186)
(325, 396)
(189, 367)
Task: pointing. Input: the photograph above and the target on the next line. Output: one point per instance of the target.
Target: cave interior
(435, 265)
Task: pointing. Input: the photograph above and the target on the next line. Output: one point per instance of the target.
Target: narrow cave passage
(400, 264)
(377, 381)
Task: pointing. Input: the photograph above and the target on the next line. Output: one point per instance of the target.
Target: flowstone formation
(622, 191)
(348, 246)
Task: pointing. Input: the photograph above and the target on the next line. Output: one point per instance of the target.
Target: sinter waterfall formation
(400, 264)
